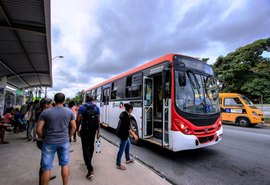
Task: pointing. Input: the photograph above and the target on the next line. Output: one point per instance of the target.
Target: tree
(246, 71)
(79, 97)
(205, 60)
(68, 100)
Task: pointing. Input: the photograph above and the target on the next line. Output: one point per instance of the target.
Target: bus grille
(206, 139)
(204, 131)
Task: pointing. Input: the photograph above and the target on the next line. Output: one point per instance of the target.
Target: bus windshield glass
(199, 93)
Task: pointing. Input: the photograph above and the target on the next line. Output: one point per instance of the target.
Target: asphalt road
(241, 158)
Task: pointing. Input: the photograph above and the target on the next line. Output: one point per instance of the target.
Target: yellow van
(238, 109)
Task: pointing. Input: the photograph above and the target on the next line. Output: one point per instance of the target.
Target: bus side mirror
(182, 79)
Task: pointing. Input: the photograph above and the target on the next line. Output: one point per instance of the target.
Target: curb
(160, 174)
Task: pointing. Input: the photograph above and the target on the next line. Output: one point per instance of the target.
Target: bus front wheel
(134, 128)
(244, 122)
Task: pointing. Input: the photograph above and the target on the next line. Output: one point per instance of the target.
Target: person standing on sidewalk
(2, 131)
(44, 104)
(123, 132)
(53, 128)
(32, 121)
(27, 118)
(88, 118)
(71, 106)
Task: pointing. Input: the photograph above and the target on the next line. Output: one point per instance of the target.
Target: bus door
(161, 108)
(105, 106)
(166, 104)
(148, 87)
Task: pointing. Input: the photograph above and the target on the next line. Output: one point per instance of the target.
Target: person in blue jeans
(53, 128)
(123, 133)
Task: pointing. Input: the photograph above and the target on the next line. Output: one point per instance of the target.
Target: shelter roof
(25, 43)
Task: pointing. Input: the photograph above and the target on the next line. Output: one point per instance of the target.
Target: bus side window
(99, 94)
(232, 102)
(94, 94)
(134, 86)
(113, 95)
(120, 94)
(113, 90)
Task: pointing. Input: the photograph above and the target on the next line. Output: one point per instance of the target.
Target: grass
(267, 120)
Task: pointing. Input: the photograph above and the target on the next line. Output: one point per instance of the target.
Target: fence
(265, 108)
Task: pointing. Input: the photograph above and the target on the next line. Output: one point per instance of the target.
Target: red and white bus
(175, 100)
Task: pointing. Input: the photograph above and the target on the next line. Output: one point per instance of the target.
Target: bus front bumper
(180, 141)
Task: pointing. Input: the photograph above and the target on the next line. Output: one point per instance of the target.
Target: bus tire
(134, 128)
(244, 122)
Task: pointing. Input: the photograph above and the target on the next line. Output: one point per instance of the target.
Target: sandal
(130, 161)
(121, 167)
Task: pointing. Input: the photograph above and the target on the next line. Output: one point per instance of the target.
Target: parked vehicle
(238, 109)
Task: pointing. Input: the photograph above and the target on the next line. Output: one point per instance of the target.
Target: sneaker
(130, 161)
(121, 167)
(90, 174)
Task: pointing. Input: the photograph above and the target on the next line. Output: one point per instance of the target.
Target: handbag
(118, 128)
(98, 146)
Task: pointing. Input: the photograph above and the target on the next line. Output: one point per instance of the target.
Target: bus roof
(154, 62)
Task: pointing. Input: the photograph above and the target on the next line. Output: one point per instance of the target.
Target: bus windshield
(199, 93)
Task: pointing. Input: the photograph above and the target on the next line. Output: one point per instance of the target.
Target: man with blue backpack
(89, 119)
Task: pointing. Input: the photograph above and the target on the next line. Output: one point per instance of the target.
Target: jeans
(48, 152)
(124, 145)
(88, 140)
(32, 127)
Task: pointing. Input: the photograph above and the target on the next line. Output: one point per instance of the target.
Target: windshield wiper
(195, 84)
(211, 86)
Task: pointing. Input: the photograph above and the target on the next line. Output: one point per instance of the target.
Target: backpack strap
(87, 105)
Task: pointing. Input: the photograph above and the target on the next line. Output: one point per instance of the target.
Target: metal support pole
(45, 92)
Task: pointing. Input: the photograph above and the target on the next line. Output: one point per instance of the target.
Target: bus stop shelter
(25, 46)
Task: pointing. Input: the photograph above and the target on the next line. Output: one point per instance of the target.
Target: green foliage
(246, 71)
(205, 59)
(68, 100)
(79, 98)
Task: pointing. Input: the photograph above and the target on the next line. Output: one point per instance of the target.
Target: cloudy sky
(100, 39)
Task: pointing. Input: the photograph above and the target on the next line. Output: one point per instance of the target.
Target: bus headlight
(254, 113)
(183, 127)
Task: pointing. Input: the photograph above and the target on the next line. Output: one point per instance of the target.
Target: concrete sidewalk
(19, 164)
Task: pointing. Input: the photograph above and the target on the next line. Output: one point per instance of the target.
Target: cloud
(100, 39)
